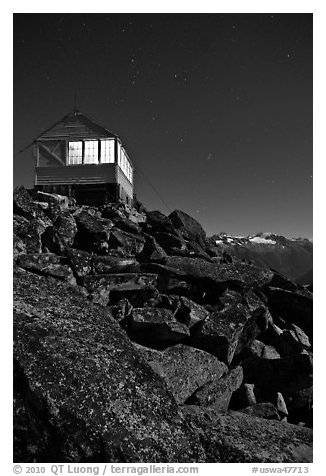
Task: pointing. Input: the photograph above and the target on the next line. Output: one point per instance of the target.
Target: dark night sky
(214, 109)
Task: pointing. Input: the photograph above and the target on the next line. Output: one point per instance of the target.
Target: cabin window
(124, 163)
(91, 152)
(119, 154)
(75, 153)
(107, 151)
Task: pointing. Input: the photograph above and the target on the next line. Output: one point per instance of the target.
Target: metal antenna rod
(76, 108)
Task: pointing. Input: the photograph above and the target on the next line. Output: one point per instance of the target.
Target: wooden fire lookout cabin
(83, 160)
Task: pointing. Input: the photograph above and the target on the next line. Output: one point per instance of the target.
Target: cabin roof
(76, 125)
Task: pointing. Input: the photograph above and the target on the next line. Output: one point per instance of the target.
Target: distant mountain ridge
(291, 257)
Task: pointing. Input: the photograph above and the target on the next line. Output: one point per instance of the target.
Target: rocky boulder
(217, 277)
(226, 332)
(287, 374)
(190, 313)
(292, 307)
(19, 247)
(29, 233)
(184, 368)
(101, 286)
(170, 242)
(157, 222)
(26, 207)
(80, 261)
(300, 406)
(190, 229)
(128, 243)
(66, 227)
(82, 391)
(262, 410)
(47, 264)
(91, 233)
(152, 251)
(156, 328)
(218, 392)
(112, 264)
(238, 438)
(243, 397)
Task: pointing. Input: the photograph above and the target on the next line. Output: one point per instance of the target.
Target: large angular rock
(51, 241)
(190, 313)
(37, 261)
(254, 349)
(266, 395)
(29, 232)
(262, 410)
(165, 301)
(152, 251)
(25, 206)
(112, 211)
(257, 348)
(102, 285)
(300, 406)
(55, 198)
(232, 275)
(80, 261)
(170, 242)
(66, 228)
(125, 224)
(281, 406)
(292, 307)
(156, 328)
(19, 247)
(47, 264)
(196, 251)
(184, 368)
(226, 332)
(243, 397)
(174, 285)
(120, 311)
(289, 341)
(128, 243)
(82, 391)
(218, 392)
(147, 297)
(269, 352)
(157, 222)
(111, 264)
(294, 340)
(288, 374)
(238, 438)
(91, 232)
(190, 229)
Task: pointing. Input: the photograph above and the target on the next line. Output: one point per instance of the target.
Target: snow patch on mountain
(261, 240)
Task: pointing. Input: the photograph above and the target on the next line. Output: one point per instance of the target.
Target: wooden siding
(75, 126)
(77, 174)
(124, 183)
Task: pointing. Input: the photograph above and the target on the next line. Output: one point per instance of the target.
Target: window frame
(120, 156)
(77, 149)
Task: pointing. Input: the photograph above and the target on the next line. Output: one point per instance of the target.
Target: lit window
(91, 152)
(75, 153)
(119, 154)
(124, 164)
(107, 151)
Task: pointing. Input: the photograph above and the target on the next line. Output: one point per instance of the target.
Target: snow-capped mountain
(291, 257)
